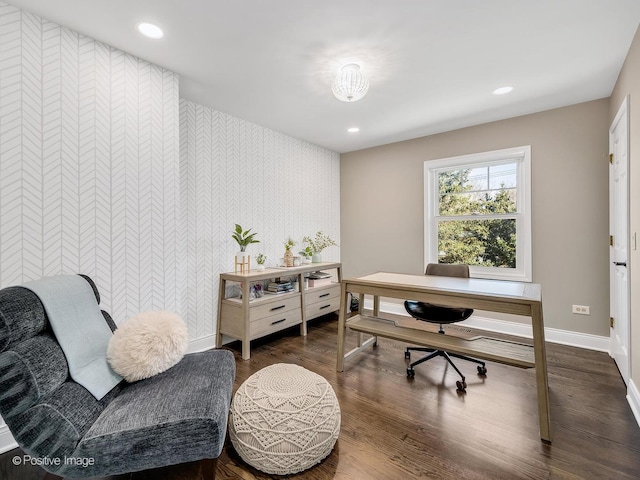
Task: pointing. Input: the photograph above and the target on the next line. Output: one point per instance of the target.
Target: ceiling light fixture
(350, 83)
(502, 90)
(150, 30)
(353, 130)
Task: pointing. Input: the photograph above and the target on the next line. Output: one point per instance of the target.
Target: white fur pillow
(147, 344)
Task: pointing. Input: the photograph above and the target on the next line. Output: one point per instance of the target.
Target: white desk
(489, 295)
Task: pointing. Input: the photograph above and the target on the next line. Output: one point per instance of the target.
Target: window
(478, 212)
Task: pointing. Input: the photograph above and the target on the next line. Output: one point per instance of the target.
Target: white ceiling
(432, 64)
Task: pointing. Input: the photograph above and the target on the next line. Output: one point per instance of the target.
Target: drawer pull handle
(326, 306)
(278, 321)
(277, 308)
(324, 295)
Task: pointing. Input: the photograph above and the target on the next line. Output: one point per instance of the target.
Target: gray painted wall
(382, 205)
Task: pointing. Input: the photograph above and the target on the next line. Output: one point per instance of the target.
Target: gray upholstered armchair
(175, 417)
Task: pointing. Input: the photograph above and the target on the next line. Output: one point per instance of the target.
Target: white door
(619, 231)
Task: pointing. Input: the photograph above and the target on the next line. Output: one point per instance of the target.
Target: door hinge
(611, 322)
(611, 158)
(611, 240)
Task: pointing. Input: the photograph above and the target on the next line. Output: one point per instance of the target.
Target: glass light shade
(150, 30)
(350, 84)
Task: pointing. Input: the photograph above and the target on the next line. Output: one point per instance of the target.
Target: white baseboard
(6, 439)
(203, 343)
(633, 397)
(553, 335)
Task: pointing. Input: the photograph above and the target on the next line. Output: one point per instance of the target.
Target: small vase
(260, 267)
(316, 258)
(288, 258)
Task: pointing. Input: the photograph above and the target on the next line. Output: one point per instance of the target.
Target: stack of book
(279, 287)
(319, 279)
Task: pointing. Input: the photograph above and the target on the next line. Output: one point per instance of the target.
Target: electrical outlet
(581, 309)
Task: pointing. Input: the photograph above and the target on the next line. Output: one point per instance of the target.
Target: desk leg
(342, 326)
(360, 312)
(542, 380)
(376, 313)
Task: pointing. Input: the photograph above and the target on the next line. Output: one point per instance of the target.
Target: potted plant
(288, 254)
(306, 254)
(317, 244)
(260, 259)
(243, 238)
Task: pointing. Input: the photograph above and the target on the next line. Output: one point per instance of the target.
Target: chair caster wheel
(462, 385)
(407, 355)
(482, 370)
(410, 373)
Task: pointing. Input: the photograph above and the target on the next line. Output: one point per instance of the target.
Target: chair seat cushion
(428, 312)
(178, 416)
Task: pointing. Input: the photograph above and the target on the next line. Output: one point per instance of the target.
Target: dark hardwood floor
(397, 428)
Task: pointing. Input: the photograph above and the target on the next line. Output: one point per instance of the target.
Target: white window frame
(522, 157)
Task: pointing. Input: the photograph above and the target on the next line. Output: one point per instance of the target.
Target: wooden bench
(492, 349)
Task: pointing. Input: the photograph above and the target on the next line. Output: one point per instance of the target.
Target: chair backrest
(46, 412)
(448, 270)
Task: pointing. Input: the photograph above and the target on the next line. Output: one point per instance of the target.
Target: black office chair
(427, 312)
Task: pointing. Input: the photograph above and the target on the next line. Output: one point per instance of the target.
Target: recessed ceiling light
(150, 30)
(502, 90)
(353, 130)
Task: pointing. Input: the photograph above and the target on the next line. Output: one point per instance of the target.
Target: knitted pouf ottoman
(284, 419)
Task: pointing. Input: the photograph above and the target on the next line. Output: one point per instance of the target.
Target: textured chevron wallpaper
(89, 165)
(233, 171)
(94, 178)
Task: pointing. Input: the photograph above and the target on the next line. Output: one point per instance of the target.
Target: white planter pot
(316, 258)
(242, 256)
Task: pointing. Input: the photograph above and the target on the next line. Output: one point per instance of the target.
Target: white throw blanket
(80, 329)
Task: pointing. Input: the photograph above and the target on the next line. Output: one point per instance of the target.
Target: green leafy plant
(243, 237)
(288, 245)
(260, 259)
(307, 252)
(319, 242)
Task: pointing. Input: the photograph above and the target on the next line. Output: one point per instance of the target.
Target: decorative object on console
(306, 255)
(288, 254)
(284, 419)
(260, 259)
(244, 238)
(148, 344)
(319, 279)
(317, 244)
(350, 84)
(278, 287)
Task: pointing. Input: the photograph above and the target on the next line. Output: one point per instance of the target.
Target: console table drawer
(280, 304)
(274, 323)
(323, 307)
(322, 294)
